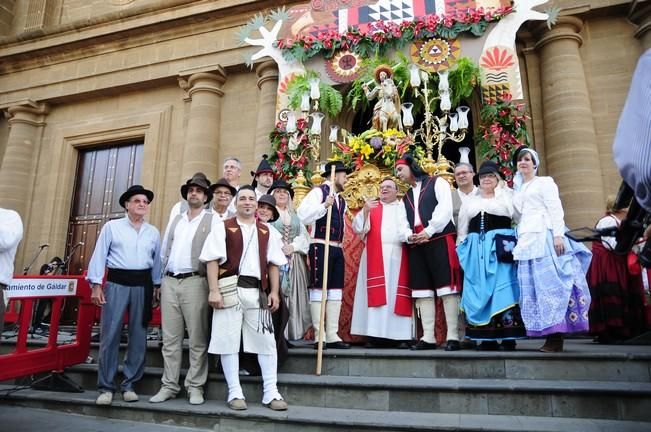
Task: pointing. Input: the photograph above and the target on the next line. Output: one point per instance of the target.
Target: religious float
(365, 82)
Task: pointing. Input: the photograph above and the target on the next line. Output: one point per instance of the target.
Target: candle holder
(436, 131)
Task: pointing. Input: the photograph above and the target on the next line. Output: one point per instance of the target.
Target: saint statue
(386, 112)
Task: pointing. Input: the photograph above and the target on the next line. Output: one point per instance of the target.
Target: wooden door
(103, 174)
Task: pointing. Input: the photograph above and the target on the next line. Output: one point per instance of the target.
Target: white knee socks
(451, 307)
(427, 312)
(231, 367)
(332, 321)
(268, 365)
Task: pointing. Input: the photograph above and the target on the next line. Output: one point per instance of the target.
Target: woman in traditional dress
(554, 294)
(294, 279)
(617, 308)
(490, 285)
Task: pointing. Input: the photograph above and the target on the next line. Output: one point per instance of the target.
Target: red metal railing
(53, 357)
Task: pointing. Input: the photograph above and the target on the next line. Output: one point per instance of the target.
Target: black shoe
(316, 345)
(468, 344)
(402, 345)
(338, 345)
(507, 345)
(370, 345)
(488, 346)
(453, 345)
(290, 345)
(422, 345)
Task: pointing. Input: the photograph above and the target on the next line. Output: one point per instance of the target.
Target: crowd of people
(242, 271)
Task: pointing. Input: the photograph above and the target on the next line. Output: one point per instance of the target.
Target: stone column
(17, 166)
(640, 14)
(267, 73)
(201, 151)
(571, 150)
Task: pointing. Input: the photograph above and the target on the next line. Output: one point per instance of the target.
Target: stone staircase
(587, 388)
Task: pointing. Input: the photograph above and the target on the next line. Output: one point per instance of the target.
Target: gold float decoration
(365, 183)
(300, 188)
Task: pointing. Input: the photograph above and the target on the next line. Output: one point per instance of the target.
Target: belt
(332, 243)
(182, 275)
(248, 282)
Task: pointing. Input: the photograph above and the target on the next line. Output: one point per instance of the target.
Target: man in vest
(263, 177)
(240, 249)
(184, 293)
(383, 306)
(313, 211)
(433, 262)
(130, 248)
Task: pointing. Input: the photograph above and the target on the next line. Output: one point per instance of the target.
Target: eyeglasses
(461, 173)
(138, 201)
(386, 187)
(223, 193)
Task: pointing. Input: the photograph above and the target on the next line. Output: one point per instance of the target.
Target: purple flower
(376, 142)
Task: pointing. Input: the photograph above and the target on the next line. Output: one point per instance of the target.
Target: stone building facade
(97, 94)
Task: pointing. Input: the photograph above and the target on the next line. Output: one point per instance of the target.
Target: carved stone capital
(27, 112)
(266, 71)
(567, 27)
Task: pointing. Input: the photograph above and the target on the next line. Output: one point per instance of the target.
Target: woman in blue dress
(490, 285)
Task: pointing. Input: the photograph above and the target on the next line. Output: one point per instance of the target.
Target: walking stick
(324, 290)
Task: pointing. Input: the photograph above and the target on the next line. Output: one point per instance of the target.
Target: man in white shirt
(463, 175)
(263, 177)
(313, 211)
(184, 294)
(383, 304)
(11, 233)
(433, 262)
(232, 254)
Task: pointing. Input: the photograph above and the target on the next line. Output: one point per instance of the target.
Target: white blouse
(538, 209)
(500, 205)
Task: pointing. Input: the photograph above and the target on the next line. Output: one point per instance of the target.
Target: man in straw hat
(223, 194)
(130, 248)
(433, 262)
(184, 293)
(313, 211)
(240, 249)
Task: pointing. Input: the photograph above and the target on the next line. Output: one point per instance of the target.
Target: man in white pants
(240, 248)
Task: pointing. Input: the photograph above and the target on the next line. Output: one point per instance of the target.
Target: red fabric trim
(404, 305)
(375, 282)
(453, 259)
(401, 162)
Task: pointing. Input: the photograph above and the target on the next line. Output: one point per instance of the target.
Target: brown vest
(197, 242)
(235, 249)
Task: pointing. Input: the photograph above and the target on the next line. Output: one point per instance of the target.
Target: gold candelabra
(436, 130)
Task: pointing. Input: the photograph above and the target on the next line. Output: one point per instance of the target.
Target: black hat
(223, 183)
(281, 184)
(136, 190)
(199, 179)
(339, 167)
(270, 201)
(489, 167)
(263, 167)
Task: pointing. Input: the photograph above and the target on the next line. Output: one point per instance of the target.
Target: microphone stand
(64, 266)
(31, 263)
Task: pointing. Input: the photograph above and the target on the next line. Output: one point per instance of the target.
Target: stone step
(214, 415)
(552, 398)
(582, 360)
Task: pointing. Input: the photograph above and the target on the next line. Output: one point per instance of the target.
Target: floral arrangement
(290, 152)
(378, 37)
(502, 130)
(379, 148)
(330, 102)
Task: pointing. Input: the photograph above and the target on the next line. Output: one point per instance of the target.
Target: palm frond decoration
(242, 33)
(279, 14)
(259, 20)
(552, 16)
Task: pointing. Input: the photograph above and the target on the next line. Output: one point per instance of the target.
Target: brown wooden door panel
(103, 174)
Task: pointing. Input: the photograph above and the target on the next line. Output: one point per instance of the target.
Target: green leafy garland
(330, 102)
(376, 38)
(501, 131)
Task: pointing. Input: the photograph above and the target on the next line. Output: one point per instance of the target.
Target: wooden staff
(324, 290)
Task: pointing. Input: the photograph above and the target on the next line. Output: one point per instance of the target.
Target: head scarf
(518, 180)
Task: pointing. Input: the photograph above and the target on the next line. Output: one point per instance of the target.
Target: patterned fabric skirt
(504, 325)
(297, 297)
(554, 294)
(617, 307)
